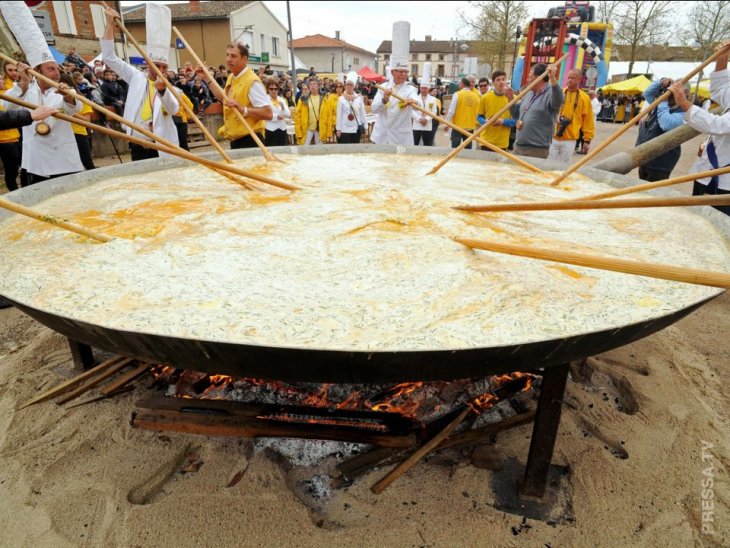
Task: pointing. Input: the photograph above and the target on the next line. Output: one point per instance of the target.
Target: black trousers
(457, 138)
(182, 134)
(83, 143)
(426, 136)
(245, 142)
(142, 153)
(652, 175)
(276, 138)
(434, 129)
(699, 189)
(10, 154)
(33, 178)
(349, 138)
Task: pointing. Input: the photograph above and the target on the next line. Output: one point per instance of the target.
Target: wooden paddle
(53, 220)
(493, 119)
(151, 66)
(158, 146)
(625, 127)
(564, 205)
(211, 82)
(657, 184)
(638, 268)
(467, 133)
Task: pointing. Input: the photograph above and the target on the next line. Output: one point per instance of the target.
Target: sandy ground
(643, 427)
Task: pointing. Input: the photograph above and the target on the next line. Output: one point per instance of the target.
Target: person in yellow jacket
(331, 101)
(311, 120)
(181, 119)
(492, 102)
(462, 112)
(575, 115)
(246, 94)
(10, 146)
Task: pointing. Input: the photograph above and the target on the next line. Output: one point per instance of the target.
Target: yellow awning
(632, 86)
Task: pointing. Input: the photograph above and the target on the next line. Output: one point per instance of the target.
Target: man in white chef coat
(394, 118)
(149, 103)
(49, 146)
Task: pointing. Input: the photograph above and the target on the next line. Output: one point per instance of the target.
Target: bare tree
(607, 10)
(709, 23)
(638, 23)
(494, 26)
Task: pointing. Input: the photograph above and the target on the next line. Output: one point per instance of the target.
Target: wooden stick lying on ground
(267, 154)
(564, 205)
(93, 381)
(426, 448)
(69, 384)
(157, 146)
(493, 119)
(53, 220)
(114, 116)
(467, 133)
(625, 127)
(112, 387)
(151, 66)
(652, 270)
(657, 184)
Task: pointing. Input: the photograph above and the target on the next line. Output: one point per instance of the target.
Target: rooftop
(322, 41)
(189, 10)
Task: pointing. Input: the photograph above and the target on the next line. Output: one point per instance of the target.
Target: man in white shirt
(422, 123)
(149, 103)
(49, 147)
(393, 122)
(595, 104)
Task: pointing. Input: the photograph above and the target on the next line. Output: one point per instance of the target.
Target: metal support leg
(545, 430)
(82, 354)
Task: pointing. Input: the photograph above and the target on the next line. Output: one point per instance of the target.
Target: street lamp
(455, 64)
(333, 63)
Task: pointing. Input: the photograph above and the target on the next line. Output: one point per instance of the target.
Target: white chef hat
(24, 27)
(426, 77)
(351, 77)
(158, 24)
(401, 45)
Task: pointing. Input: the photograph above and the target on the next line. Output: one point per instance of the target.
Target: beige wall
(263, 23)
(344, 60)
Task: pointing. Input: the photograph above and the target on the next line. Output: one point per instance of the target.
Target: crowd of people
(258, 106)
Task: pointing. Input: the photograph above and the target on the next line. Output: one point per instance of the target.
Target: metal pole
(291, 47)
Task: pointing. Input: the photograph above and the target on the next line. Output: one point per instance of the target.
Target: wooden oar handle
(657, 184)
(565, 205)
(652, 270)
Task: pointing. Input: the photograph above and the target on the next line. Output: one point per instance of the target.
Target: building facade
(327, 54)
(210, 26)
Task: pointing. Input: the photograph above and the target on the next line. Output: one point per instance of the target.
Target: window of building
(97, 16)
(441, 70)
(355, 61)
(441, 56)
(414, 69)
(263, 43)
(246, 37)
(275, 46)
(414, 57)
(64, 17)
(387, 57)
(428, 57)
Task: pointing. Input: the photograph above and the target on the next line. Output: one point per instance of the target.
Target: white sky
(366, 24)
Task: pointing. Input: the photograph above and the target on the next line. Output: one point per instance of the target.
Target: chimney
(337, 34)
(428, 38)
(194, 6)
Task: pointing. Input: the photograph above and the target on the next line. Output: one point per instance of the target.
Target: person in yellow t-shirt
(10, 146)
(491, 103)
(181, 119)
(576, 114)
(331, 101)
(83, 139)
(462, 112)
